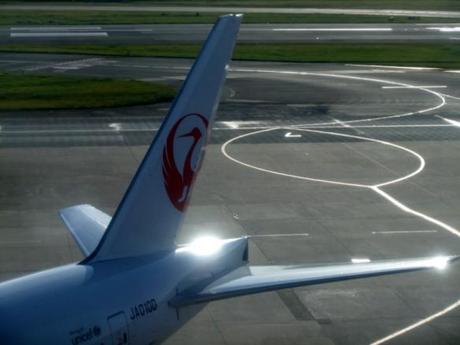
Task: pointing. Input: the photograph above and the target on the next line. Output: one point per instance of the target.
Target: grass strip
(446, 5)
(10, 17)
(414, 54)
(30, 91)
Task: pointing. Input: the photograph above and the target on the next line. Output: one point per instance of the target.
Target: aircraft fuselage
(122, 301)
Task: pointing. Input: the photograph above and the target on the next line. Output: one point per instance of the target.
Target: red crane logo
(178, 182)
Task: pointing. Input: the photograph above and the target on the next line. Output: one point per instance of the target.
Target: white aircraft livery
(135, 285)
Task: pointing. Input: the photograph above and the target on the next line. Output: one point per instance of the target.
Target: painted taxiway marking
(420, 167)
(360, 260)
(116, 126)
(350, 77)
(396, 67)
(54, 28)
(290, 135)
(376, 188)
(433, 125)
(228, 126)
(416, 87)
(58, 34)
(418, 324)
(73, 64)
(449, 96)
(452, 122)
(445, 28)
(398, 232)
(370, 71)
(333, 29)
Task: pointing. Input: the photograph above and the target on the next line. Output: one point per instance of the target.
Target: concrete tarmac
(347, 126)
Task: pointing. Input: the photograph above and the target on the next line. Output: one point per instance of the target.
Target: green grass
(30, 91)
(410, 54)
(382, 4)
(10, 17)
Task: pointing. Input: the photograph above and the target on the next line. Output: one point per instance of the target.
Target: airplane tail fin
(153, 207)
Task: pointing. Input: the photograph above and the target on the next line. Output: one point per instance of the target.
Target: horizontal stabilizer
(254, 279)
(86, 224)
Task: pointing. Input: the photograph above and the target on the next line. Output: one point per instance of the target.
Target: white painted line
(438, 24)
(226, 154)
(54, 28)
(58, 34)
(452, 122)
(396, 232)
(380, 126)
(281, 235)
(417, 324)
(241, 125)
(449, 96)
(334, 182)
(290, 135)
(445, 28)
(452, 71)
(416, 213)
(396, 67)
(416, 87)
(360, 260)
(382, 81)
(345, 125)
(370, 71)
(115, 126)
(334, 29)
(229, 127)
(231, 124)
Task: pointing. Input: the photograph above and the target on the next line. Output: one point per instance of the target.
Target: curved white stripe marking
(402, 148)
(415, 213)
(223, 149)
(417, 324)
(300, 73)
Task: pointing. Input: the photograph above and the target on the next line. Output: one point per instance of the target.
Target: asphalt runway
(143, 34)
(319, 163)
(222, 9)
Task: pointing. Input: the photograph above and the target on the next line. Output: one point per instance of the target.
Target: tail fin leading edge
(152, 208)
